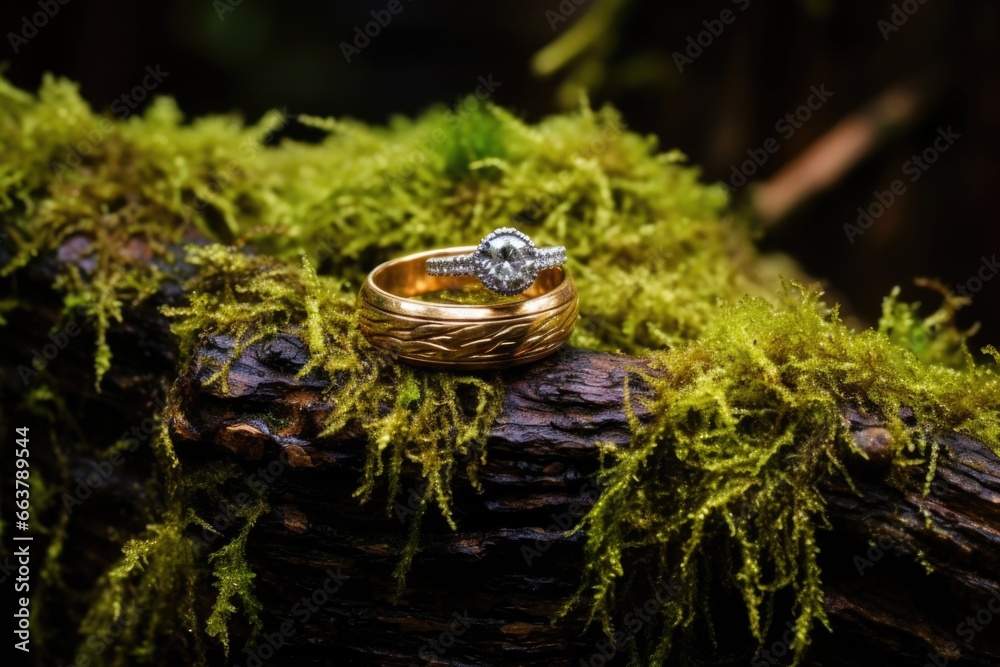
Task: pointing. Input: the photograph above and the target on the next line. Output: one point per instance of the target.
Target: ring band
(460, 336)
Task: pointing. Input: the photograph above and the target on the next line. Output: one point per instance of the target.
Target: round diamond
(507, 263)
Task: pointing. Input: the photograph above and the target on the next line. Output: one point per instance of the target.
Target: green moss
(435, 419)
(934, 339)
(6, 306)
(476, 136)
(152, 593)
(649, 252)
(745, 413)
(746, 424)
(114, 196)
(234, 580)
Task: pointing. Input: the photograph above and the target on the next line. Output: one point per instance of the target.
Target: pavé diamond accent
(506, 261)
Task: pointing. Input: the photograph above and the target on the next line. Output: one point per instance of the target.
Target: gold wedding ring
(461, 336)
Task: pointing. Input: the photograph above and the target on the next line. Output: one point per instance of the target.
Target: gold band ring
(460, 336)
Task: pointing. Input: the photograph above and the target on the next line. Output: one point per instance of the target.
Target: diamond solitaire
(506, 262)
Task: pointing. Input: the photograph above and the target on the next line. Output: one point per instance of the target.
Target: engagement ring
(506, 262)
(395, 314)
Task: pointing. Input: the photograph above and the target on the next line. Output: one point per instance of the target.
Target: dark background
(261, 54)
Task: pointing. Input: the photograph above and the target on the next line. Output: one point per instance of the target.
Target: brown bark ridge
(909, 579)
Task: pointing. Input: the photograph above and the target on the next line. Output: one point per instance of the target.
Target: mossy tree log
(510, 566)
(681, 283)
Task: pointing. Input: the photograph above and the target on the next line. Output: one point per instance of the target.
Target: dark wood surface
(509, 568)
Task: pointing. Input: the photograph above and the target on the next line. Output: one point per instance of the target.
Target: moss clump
(648, 249)
(433, 420)
(934, 339)
(110, 197)
(745, 413)
(152, 593)
(746, 424)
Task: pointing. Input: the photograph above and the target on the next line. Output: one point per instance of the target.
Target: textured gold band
(459, 336)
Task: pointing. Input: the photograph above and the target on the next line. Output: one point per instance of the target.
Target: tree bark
(485, 593)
